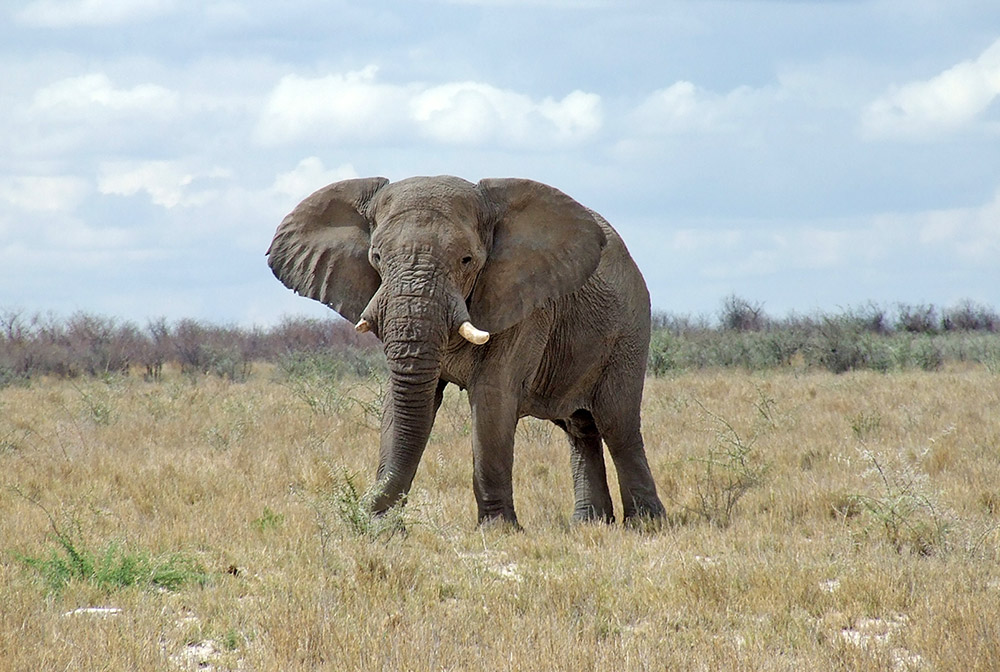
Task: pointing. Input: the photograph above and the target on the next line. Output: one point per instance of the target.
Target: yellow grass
(813, 572)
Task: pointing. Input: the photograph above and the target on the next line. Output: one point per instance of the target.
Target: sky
(804, 155)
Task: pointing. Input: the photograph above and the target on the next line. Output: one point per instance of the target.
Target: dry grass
(866, 537)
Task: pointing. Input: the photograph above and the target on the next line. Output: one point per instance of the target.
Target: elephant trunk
(413, 332)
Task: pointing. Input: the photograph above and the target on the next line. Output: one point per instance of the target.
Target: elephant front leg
(494, 419)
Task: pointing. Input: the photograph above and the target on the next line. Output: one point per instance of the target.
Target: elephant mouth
(460, 316)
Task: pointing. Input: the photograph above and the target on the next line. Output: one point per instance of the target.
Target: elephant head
(425, 262)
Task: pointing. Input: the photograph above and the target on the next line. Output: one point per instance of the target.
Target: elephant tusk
(362, 327)
(473, 335)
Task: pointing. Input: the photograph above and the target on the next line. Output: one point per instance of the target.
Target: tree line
(84, 344)
(741, 334)
(872, 336)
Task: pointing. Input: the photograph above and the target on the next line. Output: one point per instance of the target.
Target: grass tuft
(268, 520)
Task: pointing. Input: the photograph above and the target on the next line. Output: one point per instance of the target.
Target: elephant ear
(545, 245)
(320, 249)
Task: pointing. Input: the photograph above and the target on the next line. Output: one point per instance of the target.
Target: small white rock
(829, 585)
(94, 611)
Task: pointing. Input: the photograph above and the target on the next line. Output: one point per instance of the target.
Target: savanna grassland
(817, 521)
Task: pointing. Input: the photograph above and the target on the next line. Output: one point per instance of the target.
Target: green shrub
(663, 354)
(113, 567)
(899, 508)
(732, 466)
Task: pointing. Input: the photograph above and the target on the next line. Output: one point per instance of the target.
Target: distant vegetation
(741, 335)
(870, 337)
(93, 346)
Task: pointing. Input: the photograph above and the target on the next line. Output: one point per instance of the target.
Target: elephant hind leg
(618, 422)
(590, 479)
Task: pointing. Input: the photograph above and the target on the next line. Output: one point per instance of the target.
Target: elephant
(507, 288)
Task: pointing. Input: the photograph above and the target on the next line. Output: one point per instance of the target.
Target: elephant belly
(566, 379)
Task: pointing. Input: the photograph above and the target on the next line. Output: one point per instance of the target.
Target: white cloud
(468, 113)
(946, 102)
(308, 176)
(972, 234)
(71, 96)
(960, 238)
(43, 193)
(168, 183)
(357, 107)
(69, 13)
(471, 113)
(683, 107)
(351, 106)
(761, 248)
(578, 115)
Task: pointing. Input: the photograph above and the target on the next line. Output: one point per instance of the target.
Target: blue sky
(805, 155)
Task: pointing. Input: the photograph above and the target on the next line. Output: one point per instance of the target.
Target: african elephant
(507, 288)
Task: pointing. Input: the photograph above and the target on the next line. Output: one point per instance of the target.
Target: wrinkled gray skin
(565, 305)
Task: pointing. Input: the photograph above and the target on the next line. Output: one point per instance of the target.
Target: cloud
(471, 113)
(334, 107)
(909, 243)
(356, 107)
(308, 176)
(947, 102)
(760, 248)
(683, 107)
(44, 194)
(168, 183)
(69, 97)
(971, 234)
(69, 13)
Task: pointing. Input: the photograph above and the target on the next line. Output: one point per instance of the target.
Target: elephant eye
(466, 261)
(376, 257)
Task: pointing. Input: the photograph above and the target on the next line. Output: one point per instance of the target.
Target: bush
(969, 316)
(71, 559)
(919, 319)
(841, 345)
(317, 379)
(112, 568)
(731, 467)
(738, 314)
(900, 508)
(663, 355)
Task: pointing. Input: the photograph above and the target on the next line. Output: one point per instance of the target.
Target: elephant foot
(588, 513)
(645, 513)
(498, 517)
(500, 523)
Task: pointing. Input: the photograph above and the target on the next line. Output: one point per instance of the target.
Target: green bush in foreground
(115, 566)
(112, 568)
